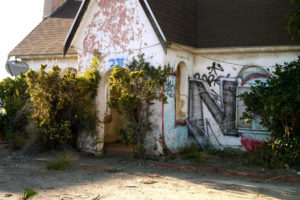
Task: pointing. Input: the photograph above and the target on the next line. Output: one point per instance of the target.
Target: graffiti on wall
(224, 114)
(213, 109)
(116, 61)
(215, 68)
(224, 109)
(170, 88)
(213, 77)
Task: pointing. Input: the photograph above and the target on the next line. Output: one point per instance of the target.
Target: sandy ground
(90, 179)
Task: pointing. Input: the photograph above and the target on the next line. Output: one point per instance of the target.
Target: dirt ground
(93, 179)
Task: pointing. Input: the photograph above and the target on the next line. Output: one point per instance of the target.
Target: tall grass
(28, 194)
(62, 162)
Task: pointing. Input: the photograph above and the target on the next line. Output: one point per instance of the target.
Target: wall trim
(229, 50)
(46, 56)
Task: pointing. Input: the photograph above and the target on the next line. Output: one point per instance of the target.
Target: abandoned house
(217, 49)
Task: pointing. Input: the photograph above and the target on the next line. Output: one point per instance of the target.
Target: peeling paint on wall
(119, 30)
(175, 136)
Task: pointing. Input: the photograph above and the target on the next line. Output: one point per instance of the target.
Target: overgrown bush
(63, 104)
(133, 91)
(282, 152)
(126, 135)
(293, 25)
(277, 102)
(15, 105)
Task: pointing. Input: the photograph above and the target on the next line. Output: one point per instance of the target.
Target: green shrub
(133, 91)
(28, 194)
(16, 139)
(277, 102)
(62, 104)
(293, 17)
(15, 109)
(126, 135)
(282, 152)
(138, 151)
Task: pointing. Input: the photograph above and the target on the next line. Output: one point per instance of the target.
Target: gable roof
(177, 19)
(195, 23)
(75, 26)
(224, 23)
(48, 37)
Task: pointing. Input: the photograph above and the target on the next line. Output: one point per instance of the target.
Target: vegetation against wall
(293, 25)
(15, 109)
(133, 90)
(62, 104)
(277, 102)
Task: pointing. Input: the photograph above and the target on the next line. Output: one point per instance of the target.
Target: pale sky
(17, 19)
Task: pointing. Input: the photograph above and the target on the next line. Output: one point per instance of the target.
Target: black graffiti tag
(225, 115)
(209, 79)
(212, 78)
(170, 88)
(214, 68)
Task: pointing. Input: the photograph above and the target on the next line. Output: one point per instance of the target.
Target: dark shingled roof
(224, 23)
(196, 23)
(48, 37)
(177, 19)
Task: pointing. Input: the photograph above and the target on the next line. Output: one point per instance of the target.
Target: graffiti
(117, 61)
(249, 143)
(212, 78)
(120, 62)
(213, 139)
(224, 114)
(216, 95)
(112, 61)
(172, 72)
(170, 88)
(114, 26)
(208, 79)
(214, 68)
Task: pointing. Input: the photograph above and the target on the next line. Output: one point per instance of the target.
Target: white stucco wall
(119, 30)
(209, 68)
(62, 63)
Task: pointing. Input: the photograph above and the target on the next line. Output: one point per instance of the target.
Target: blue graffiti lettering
(116, 61)
(120, 62)
(112, 61)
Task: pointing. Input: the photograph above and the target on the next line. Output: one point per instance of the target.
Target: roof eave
(229, 50)
(154, 23)
(75, 26)
(43, 56)
(83, 9)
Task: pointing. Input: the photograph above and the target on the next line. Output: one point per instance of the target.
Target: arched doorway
(181, 93)
(110, 119)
